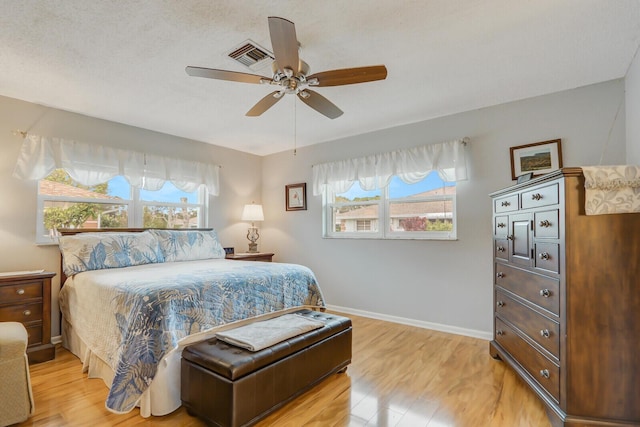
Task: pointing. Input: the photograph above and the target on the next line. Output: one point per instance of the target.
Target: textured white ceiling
(124, 60)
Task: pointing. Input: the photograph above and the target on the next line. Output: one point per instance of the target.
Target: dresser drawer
(540, 329)
(541, 196)
(547, 256)
(506, 204)
(544, 371)
(21, 313)
(546, 225)
(501, 249)
(535, 288)
(34, 332)
(20, 292)
(501, 226)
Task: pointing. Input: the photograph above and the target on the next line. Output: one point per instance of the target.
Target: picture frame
(538, 158)
(296, 197)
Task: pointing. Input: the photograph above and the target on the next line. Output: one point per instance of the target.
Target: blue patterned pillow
(96, 251)
(188, 245)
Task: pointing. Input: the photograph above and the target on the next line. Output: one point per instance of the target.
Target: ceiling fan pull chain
(295, 128)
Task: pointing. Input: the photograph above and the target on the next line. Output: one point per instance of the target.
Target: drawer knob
(20, 291)
(545, 333)
(505, 203)
(501, 225)
(500, 303)
(500, 274)
(544, 255)
(27, 312)
(510, 237)
(500, 248)
(536, 196)
(545, 293)
(499, 332)
(544, 223)
(545, 373)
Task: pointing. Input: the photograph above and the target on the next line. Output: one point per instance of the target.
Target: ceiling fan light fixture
(290, 73)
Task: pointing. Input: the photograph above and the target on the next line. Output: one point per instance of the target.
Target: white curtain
(91, 164)
(375, 171)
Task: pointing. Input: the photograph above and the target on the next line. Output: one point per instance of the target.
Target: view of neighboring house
(430, 206)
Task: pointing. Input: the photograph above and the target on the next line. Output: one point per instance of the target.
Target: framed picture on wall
(537, 158)
(296, 197)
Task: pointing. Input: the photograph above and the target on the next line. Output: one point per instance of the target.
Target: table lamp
(252, 213)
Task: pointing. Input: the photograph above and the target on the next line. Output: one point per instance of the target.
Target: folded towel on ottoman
(258, 335)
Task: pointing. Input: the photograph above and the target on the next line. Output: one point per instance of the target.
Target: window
(63, 203)
(423, 210)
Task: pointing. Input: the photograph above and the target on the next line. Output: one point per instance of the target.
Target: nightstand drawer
(34, 332)
(21, 313)
(20, 292)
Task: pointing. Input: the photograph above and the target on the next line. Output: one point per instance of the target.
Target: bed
(131, 300)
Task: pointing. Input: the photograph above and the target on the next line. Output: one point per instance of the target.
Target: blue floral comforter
(131, 317)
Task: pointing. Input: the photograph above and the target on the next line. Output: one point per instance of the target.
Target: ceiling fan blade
(233, 76)
(320, 103)
(284, 43)
(264, 104)
(348, 76)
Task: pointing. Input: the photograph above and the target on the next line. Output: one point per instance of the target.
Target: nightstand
(248, 256)
(26, 298)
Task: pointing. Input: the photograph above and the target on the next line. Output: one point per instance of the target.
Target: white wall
(632, 92)
(239, 178)
(434, 282)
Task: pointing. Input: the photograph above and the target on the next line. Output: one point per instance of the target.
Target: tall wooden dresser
(567, 300)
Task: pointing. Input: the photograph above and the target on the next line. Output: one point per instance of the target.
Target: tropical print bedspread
(131, 317)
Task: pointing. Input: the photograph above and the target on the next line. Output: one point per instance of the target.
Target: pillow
(96, 251)
(189, 245)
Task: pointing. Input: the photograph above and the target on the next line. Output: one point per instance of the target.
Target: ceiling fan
(290, 74)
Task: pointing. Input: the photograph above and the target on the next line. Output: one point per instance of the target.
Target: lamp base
(253, 248)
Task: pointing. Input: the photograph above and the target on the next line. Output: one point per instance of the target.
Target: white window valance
(91, 164)
(410, 164)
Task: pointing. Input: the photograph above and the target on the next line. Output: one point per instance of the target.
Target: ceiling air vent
(252, 55)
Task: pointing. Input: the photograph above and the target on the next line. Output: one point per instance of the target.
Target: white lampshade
(252, 213)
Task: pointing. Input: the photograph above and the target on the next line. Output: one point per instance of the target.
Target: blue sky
(119, 187)
(397, 188)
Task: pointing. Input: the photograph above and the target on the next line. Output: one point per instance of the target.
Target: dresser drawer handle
(544, 256)
(500, 274)
(501, 225)
(545, 293)
(545, 373)
(510, 237)
(545, 333)
(500, 249)
(27, 312)
(20, 291)
(499, 332)
(536, 196)
(505, 204)
(544, 223)
(500, 303)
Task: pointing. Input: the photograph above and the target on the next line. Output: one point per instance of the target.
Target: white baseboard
(56, 340)
(412, 322)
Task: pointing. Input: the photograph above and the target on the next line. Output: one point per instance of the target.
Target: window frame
(384, 218)
(135, 209)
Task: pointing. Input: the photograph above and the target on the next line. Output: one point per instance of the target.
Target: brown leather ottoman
(230, 386)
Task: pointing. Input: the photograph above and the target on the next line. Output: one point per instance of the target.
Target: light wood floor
(400, 376)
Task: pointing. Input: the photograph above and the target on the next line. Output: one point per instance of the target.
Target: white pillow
(188, 245)
(96, 251)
